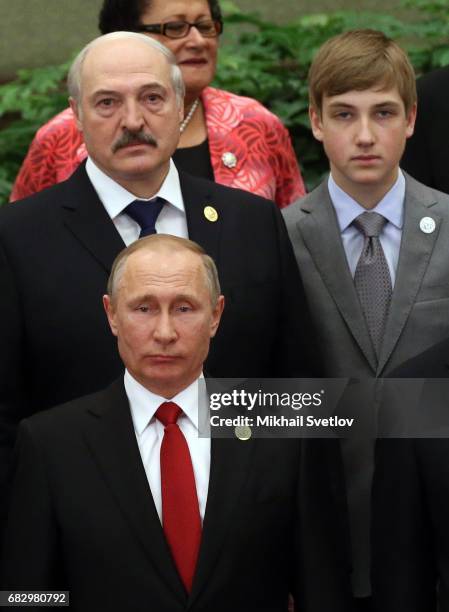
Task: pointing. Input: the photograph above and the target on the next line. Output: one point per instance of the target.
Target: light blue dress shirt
(391, 207)
(115, 198)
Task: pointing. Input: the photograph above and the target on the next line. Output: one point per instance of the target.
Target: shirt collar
(347, 209)
(116, 198)
(144, 403)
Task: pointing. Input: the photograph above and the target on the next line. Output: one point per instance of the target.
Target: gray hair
(74, 76)
(154, 242)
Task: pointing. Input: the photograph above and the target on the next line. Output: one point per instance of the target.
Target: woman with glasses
(227, 138)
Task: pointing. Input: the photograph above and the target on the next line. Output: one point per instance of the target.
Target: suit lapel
(197, 194)
(229, 465)
(414, 256)
(320, 233)
(86, 218)
(112, 442)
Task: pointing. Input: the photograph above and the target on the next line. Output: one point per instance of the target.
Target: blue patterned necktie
(145, 213)
(372, 277)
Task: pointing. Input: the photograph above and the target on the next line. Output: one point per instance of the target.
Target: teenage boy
(371, 242)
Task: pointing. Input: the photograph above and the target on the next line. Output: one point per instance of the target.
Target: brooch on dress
(229, 159)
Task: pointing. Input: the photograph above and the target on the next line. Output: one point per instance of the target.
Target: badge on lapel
(210, 213)
(243, 432)
(427, 225)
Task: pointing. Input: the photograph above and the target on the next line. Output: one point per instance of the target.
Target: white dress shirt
(115, 198)
(391, 207)
(149, 433)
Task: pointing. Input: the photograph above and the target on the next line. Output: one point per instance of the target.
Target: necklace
(189, 115)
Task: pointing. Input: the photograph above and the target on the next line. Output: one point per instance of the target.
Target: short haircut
(125, 14)
(359, 60)
(158, 242)
(74, 78)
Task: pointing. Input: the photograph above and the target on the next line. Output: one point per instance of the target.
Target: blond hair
(359, 60)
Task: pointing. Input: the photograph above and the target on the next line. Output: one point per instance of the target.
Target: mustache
(128, 138)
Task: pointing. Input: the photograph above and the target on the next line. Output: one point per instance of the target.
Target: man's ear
(316, 123)
(77, 112)
(110, 313)
(216, 315)
(411, 118)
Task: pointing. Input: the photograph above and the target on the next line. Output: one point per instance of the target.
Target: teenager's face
(364, 135)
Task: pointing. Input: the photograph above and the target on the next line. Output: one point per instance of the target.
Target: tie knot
(145, 213)
(168, 413)
(370, 224)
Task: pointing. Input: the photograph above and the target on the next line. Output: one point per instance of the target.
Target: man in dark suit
(411, 494)
(57, 247)
(426, 153)
(119, 501)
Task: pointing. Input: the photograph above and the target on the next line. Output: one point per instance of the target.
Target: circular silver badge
(243, 432)
(427, 225)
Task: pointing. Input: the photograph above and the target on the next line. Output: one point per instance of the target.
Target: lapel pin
(229, 159)
(427, 225)
(210, 213)
(243, 432)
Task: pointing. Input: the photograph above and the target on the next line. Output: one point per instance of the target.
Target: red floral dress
(249, 147)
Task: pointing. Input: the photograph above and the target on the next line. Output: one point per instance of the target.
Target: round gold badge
(210, 213)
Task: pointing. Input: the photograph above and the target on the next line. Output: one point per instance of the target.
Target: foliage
(25, 104)
(260, 59)
(270, 62)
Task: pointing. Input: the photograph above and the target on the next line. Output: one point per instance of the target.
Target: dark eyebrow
(183, 17)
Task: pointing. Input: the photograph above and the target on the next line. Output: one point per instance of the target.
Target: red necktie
(181, 519)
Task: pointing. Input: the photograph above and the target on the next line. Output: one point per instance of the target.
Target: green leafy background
(260, 59)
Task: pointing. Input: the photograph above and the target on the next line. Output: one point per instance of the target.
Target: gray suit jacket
(418, 319)
(419, 313)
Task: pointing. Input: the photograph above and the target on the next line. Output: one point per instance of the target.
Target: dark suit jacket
(411, 501)
(82, 518)
(56, 252)
(427, 151)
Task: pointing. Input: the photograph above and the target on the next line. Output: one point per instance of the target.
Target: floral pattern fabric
(249, 147)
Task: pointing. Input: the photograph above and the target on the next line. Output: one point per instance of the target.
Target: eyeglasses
(209, 28)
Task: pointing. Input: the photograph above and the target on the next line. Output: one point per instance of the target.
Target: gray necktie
(372, 276)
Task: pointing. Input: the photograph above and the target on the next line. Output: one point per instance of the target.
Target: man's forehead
(163, 266)
(122, 58)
